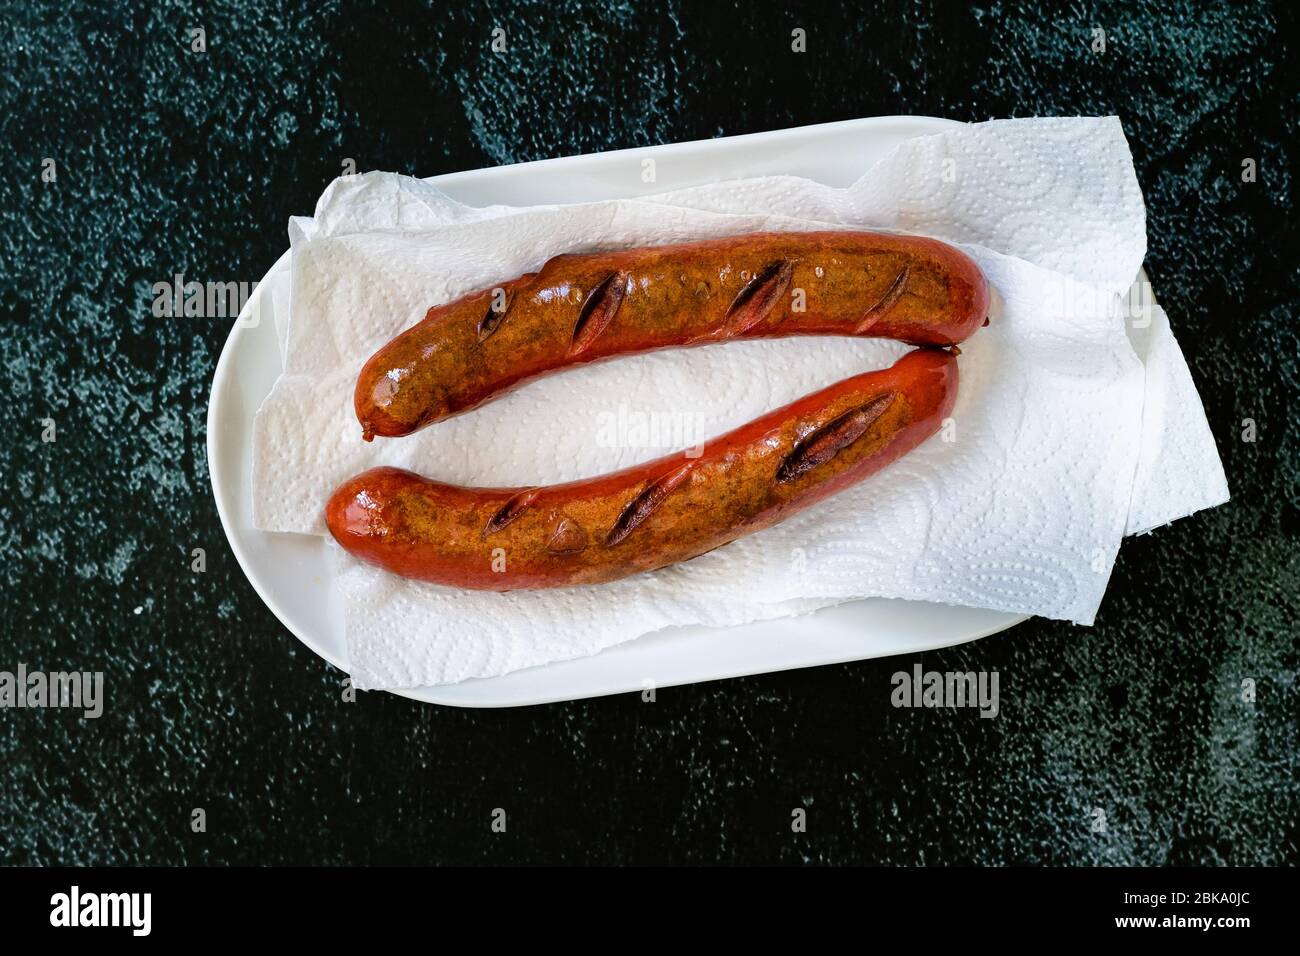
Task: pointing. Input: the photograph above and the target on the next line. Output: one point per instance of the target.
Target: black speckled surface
(170, 161)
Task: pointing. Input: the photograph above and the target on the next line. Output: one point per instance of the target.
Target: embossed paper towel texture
(1023, 510)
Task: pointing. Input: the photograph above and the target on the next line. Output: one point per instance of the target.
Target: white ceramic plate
(290, 571)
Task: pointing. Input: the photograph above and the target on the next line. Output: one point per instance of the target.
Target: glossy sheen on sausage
(653, 514)
(584, 308)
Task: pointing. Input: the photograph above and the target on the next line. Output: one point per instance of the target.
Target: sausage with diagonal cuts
(653, 514)
(589, 307)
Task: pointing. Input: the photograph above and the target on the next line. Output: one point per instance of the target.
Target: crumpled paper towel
(1062, 438)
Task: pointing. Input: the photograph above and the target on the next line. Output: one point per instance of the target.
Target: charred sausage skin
(589, 307)
(653, 514)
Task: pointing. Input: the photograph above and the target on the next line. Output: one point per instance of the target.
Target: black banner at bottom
(351, 905)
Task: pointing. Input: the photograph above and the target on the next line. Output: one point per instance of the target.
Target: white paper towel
(1061, 442)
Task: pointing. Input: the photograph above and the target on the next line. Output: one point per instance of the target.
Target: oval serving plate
(291, 574)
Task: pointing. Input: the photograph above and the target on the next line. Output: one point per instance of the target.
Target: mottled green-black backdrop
(173, 161)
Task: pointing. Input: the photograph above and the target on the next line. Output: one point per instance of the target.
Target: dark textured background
(171, 161)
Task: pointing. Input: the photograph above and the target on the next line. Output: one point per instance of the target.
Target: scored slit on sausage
(824, 443)
(598, 311)
(511, 510)
(493, 318)
(567, 537)
(640, 507)
(887, 302)
(759, 296)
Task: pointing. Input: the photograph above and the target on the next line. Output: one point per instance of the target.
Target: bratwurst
(588, 307)
(653, 514)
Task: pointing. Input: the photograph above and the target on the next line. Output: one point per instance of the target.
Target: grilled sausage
(653, 514)
(584, 308)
